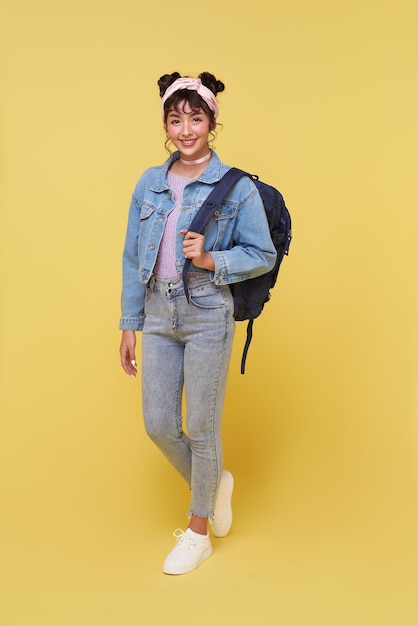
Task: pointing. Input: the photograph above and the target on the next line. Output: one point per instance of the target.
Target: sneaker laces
(184, 541)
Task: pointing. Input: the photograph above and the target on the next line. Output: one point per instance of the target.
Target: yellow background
(321, 101)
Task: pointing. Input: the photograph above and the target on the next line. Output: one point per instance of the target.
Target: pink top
(165, 266)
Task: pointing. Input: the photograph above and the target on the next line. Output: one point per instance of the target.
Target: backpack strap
(208, 208)
(202, 219)
(247, 345)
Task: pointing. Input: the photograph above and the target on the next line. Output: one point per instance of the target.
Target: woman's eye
(197, 119)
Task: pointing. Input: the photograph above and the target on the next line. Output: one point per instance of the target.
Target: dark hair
(189, 96)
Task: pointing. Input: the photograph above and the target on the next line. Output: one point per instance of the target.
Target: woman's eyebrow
(179, 114)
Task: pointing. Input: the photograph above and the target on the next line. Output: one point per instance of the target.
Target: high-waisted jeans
(188, 345)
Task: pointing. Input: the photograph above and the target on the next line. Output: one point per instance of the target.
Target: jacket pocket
(226, 211)
(220, 229)
(146, 210)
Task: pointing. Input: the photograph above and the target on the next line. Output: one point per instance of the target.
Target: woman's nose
(186, 129)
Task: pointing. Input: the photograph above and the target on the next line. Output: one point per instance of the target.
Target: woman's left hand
(194, 249)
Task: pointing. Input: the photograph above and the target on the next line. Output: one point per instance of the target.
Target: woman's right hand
(127, 352)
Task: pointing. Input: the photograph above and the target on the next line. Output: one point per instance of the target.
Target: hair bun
(208, 80)
(165, 81)
(211, 82)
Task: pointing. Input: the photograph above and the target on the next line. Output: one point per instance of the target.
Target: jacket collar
(212, 174)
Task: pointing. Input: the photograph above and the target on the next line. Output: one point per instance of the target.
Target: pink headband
(196, 85)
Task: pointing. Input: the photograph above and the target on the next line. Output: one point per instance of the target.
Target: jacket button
(216, 213)
(152, 247)
(219, 279)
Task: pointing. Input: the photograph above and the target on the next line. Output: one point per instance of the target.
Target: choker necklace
(197, 161)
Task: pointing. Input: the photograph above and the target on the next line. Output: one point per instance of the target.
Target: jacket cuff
(131, 323)
(220, 273)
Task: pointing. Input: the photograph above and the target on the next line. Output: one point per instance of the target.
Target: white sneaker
(222, 519)
(189, 552)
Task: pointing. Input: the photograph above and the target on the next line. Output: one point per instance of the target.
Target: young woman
(186, 345)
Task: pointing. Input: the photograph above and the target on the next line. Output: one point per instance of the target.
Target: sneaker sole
(187, 568)
(223, 504)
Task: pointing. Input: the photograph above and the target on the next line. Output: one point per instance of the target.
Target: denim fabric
(188, 345)
(238, 236)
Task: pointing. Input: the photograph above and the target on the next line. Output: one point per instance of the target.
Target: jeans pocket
(208, 296)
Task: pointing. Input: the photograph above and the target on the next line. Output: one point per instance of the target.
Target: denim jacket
(237, 237)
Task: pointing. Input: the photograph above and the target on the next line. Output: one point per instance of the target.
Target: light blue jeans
(188, 345)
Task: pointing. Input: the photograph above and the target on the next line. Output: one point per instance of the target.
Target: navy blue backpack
(250, 295)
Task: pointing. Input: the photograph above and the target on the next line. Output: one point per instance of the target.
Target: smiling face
(189, 131)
